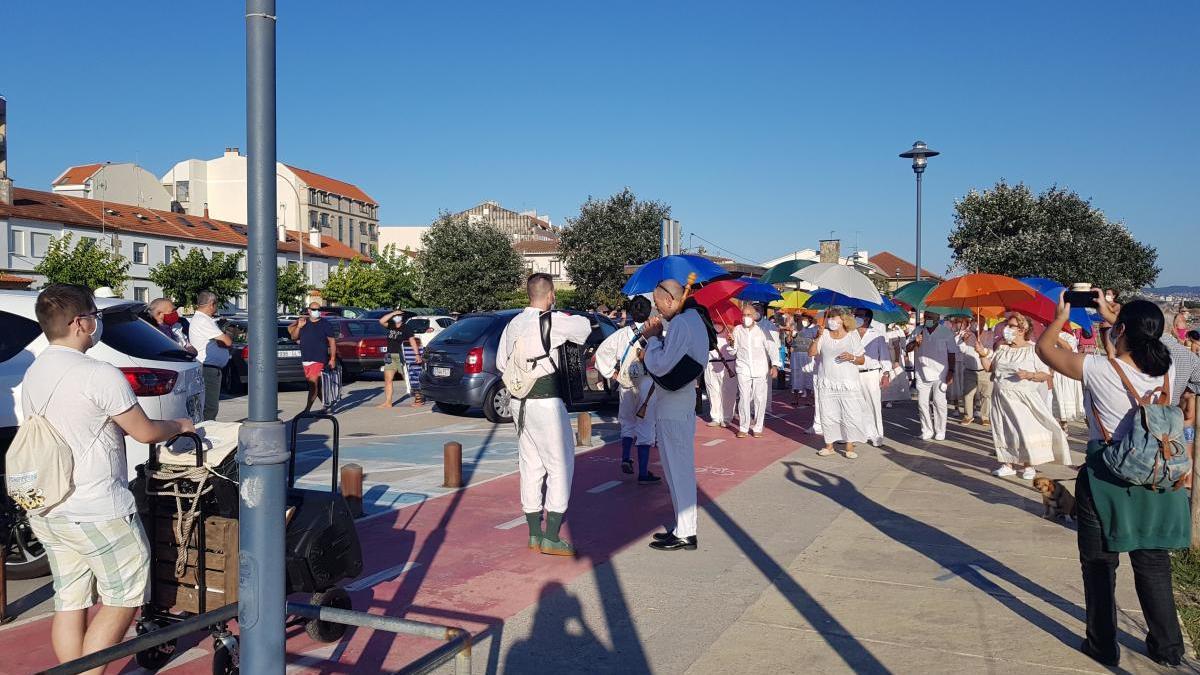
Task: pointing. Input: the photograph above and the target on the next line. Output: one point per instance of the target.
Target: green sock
(553, 522)
(535, 524)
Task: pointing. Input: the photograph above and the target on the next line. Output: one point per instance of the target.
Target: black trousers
(1151, 579)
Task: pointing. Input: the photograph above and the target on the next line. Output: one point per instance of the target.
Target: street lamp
(919, 154)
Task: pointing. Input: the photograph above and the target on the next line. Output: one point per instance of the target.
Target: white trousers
(677, 450)
(874, 396)
(753, 401)
(639, 429)
(546, 454)
(722, 395)
(931, 403)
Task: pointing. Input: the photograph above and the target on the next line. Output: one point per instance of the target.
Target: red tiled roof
(889, 263)
(13, 280)
(92, 213)
(76, 175)
(332, 185)
(536, 246)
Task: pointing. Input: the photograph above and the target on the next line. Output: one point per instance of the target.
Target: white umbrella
(840, 279)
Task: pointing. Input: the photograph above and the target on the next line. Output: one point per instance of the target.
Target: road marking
(715, 441)
(380, 577)
(511, 524)
(604, 486)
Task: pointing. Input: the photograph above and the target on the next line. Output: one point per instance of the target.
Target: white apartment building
(145, 237)
(542, 255)
(124, 183)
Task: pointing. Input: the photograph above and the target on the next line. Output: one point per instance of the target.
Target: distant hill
(1175, 290)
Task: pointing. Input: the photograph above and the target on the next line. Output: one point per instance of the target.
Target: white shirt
(756, 351)
(610, 352)
(79, 396)
(204, 330)
(685, 336)
(933, 354)
(527, 326)
(722, 359)
(1103, 390)
(876, 349)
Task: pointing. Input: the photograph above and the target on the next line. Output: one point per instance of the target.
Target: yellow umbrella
(792, 301)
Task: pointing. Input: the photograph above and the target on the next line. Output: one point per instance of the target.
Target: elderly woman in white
(841, 403)
(1024, 429)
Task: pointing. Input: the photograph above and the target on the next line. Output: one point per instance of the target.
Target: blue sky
(766, 126)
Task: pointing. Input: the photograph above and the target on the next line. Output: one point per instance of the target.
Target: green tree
(1056, 234)
(181, 278)
(356, 284)
(607, 235)
(465, 267)
(87, 263)
(399, 274)
(291, 287)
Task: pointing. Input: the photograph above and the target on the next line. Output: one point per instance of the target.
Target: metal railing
(456, 641)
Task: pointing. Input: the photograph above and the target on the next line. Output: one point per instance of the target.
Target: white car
(427, 327)
(167, 381)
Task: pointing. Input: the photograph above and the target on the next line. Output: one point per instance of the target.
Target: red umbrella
(725, 313)
(712, 294)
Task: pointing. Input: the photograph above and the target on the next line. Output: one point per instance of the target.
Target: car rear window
(365, 328)
(418, 325)
(445, 322)
(466, 330)
(16, 332)
(129, 334)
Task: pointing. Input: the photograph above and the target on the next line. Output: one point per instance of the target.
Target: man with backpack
(76, 413)
(527, 358)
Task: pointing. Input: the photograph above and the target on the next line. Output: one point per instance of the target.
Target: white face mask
(804, 322)
(834, 324)
(314, 313)
(1010, 334)
(747, 321)
(98, 332)
(931, 323)
(859, 322)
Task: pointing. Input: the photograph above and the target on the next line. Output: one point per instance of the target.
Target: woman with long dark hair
(1115, 516)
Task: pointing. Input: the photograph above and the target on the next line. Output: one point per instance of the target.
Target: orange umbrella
(986, 292)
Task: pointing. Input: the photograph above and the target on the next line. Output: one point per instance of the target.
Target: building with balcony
(519, 226)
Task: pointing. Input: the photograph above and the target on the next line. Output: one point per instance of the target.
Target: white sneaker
(1029, 473)
(940, 437)
(874, 442)
(926, 437)
(1004, 470)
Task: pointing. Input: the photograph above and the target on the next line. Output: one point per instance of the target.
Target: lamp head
(919, 154)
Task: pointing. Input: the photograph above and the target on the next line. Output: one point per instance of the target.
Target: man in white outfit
(876, 371)
(720, 380)
(933, 349)
(675, 361)
(757, 366)
(616, 359)
(546, 444)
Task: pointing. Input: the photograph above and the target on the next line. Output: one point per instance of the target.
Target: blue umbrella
(677, 267)
(1053, 290)
(757, 291)
(887, 311)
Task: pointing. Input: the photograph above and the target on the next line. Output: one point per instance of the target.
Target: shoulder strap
(1137, 398)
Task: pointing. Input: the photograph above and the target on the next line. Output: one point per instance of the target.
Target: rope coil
(172, 480)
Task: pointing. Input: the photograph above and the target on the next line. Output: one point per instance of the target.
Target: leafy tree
(181, 278)
(1056, 234)
(466, 267)
(388, 281)
(399, 274)
(566, 298)
(87, 263)
(291, 287)
(606, 236)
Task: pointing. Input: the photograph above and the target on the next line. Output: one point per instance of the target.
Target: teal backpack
(1152, 453)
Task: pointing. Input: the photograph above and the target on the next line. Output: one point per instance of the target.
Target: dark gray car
(460, 370)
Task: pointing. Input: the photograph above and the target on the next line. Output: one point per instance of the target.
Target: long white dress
(843, 410)
(1024, 430)
(1068, 393)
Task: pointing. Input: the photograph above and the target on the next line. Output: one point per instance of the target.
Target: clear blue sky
(765, 125)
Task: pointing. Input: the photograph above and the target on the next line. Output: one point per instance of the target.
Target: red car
(361, 346)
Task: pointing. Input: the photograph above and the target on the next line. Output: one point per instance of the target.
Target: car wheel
(26, 557)
(453, 408)
(497, 404)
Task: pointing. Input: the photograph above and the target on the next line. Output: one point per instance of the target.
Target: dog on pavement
(1056, 498)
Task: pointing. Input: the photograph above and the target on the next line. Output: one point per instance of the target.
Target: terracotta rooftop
(76, 175)
(332, 185)
(536, 246)
(13, 279)
(92, 213)
(889, 263)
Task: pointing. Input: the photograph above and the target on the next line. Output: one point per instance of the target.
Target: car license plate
(195, 407)
(439, 371)
(290, 354)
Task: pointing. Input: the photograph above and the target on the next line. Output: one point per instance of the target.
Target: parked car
(166, 379)
(426, 328)
(460, 370)
(287, 363)
(361, 346)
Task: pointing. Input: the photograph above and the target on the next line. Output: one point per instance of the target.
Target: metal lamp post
(919, 154)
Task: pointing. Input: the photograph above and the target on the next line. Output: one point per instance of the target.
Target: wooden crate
(221, 566)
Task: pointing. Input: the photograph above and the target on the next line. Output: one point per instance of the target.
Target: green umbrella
(782, 273)
(913, 293)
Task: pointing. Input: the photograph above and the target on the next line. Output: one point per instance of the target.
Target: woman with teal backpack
(1114, 515)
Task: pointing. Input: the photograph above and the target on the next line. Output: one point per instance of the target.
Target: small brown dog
(1057, 499)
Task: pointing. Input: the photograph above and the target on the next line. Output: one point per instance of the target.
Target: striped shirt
(1187, 368)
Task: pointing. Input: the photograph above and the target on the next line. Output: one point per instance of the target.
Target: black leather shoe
(664, 536)
(676, 544)
(649, 479)
(1087, 649)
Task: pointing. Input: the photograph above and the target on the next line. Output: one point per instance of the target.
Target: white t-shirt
(1103, 389)
(87, 393)
(203, 330)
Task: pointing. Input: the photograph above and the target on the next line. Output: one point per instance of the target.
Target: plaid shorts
(110, 558)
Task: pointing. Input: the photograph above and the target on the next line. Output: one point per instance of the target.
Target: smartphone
(1081, 299)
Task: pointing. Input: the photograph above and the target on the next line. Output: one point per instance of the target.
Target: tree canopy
(88, 263)
(182, 277)
(388, 281)
(607, 235)
(291, 287)
(1056, 234)
(466, 267)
